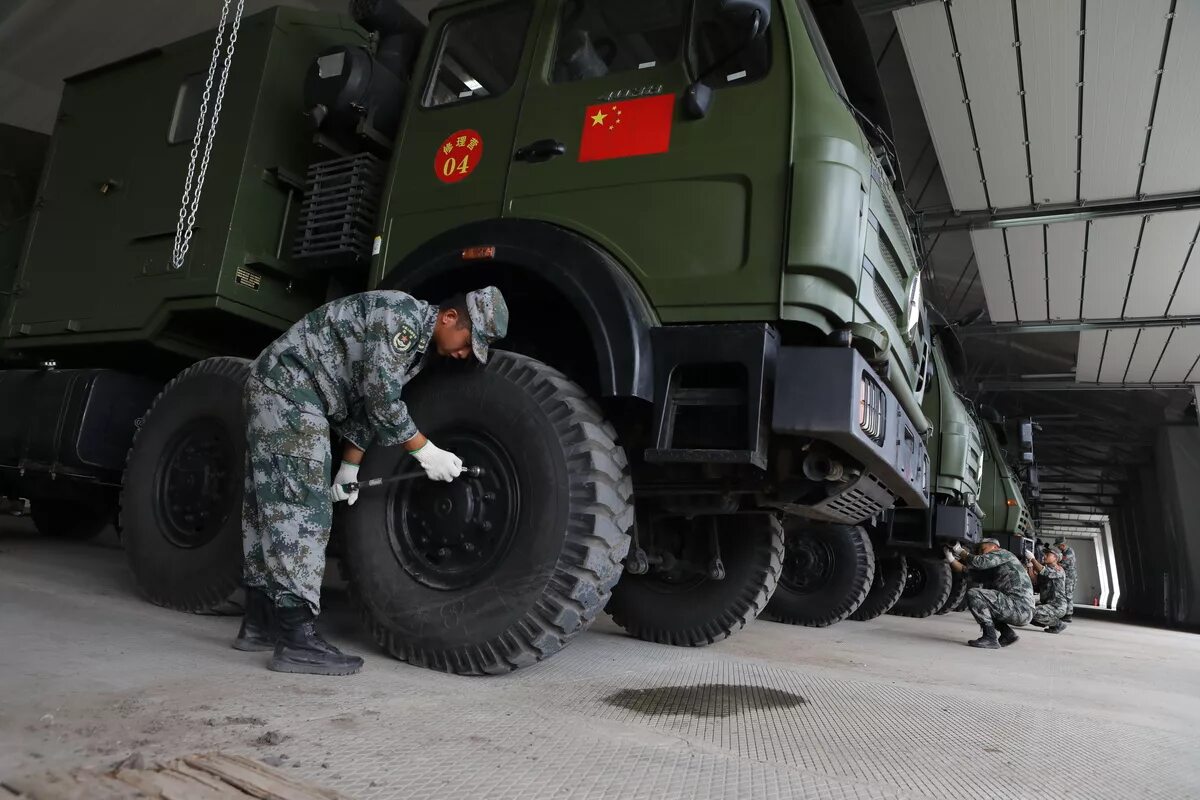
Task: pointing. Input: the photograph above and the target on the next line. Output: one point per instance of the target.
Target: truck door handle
(539, 151)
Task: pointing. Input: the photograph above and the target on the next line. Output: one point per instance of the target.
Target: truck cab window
(479, 55)
(721, 51)
(601, 37)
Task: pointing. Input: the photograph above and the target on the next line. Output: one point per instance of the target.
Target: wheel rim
(452, 535)
(195, 483)
(914, 581)
(807, 564)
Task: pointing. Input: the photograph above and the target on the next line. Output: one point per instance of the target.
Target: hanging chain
(194, 183)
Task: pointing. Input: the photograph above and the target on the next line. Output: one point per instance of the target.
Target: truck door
(456, 142)
(695, 207)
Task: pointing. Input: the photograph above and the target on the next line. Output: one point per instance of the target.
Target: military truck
(715, 298)
(897, 563)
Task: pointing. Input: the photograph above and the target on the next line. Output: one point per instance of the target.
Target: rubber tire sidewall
(709, 610)
(938, 582)
(848, 586)
(524, 610)
(886, 588)
(199, 578)
(958, 593)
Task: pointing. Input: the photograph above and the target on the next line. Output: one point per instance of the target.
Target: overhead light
(473, 84)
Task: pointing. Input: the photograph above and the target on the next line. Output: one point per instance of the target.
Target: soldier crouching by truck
(1005, 596)
(344, 364)
(1051, 583)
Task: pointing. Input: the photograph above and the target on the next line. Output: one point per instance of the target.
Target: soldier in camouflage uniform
(1052, 587)
(343, 366)
(1002, 596)
(1067, 560)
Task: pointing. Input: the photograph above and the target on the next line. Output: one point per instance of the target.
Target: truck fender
(616, 313)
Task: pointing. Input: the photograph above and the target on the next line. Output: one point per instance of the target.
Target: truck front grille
(871, 406)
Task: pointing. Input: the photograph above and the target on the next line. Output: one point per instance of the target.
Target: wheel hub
(914, 582)
(452, 535)
(807, 564)
(195, 482)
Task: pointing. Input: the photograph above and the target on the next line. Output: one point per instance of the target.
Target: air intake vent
(337, 218)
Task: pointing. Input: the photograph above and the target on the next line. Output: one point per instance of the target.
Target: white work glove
(950, 557)
(347, 473)
(439, 464)
(958, 549)
(1029, 555)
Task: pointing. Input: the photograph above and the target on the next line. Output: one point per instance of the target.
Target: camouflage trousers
(1047, 614)
(1070, 596)
(990, 606)
(287, 510)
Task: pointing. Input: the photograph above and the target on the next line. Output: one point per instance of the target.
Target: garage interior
(1045, 157)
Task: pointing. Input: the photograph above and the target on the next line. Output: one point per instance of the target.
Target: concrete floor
(893, 708)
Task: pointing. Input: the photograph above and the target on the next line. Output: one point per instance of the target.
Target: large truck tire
(57, 518)
(958, 593)
(696, 610)
(926, 588)
(491, 573)
(890, 570)
(827, 573)
(181, 503)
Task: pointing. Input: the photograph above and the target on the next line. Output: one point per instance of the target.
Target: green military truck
(715, 297)
(836, 572)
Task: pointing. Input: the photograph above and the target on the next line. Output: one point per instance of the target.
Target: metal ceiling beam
(1072, 386)
(1078, 326)
(1049, 213)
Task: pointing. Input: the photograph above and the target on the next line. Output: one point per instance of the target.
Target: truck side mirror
(753, 15)
(748, 20)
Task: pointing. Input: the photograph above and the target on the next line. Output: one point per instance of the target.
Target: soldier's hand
(950, 557)
(958, 549)
(1029, 555)
(347, 473)
(439, 464)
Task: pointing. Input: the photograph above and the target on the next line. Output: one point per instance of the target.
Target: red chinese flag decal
(640, 127)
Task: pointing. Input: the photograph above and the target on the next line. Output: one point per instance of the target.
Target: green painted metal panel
(99, 269)
(956, 446)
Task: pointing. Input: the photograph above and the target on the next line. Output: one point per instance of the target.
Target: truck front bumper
(833, 394)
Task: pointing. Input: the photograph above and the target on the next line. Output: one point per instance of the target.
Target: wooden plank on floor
(257, 779)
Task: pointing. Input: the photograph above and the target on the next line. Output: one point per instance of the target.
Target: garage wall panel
(1028, 267)
(1109, 261)
(927, 44)
(1150, 344)
(992, 262)
(1173, 163)
(1087, 359)
(1122, 49)
(989, 62)
(1118, 349)
(1065, 248)
(1050, 53)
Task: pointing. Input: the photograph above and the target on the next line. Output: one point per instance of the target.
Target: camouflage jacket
(349, 361)
(1052, 586)
(1000, 570)
(1067, 560)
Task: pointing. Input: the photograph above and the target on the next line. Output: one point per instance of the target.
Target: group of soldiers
(1002, 589)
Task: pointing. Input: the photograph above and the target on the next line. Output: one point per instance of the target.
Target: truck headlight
(914, 304)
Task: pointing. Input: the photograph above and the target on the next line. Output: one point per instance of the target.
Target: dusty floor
(891, 708)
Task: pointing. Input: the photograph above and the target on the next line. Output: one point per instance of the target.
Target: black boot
(259, 629)
(1057, 627)
(302, 649)
(1067, 618)
(988, 640)
(1007, 634)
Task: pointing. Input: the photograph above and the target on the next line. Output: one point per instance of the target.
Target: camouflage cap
(489, 319)
(990, 540)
